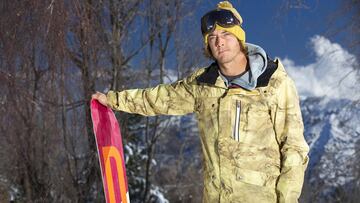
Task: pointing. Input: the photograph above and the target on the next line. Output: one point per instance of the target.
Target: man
(248, 113)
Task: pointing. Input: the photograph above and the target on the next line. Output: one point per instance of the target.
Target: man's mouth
(221, 51)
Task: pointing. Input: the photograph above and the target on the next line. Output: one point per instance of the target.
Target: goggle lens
(223, 18)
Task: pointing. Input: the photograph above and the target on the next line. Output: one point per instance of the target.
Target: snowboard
(110, 152)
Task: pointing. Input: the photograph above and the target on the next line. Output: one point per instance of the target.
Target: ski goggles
(224, 18)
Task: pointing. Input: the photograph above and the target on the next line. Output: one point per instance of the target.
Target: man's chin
(222, 59)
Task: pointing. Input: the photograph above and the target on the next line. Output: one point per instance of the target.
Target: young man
(248, 113)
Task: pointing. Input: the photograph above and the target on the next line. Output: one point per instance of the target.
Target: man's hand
(100, 97)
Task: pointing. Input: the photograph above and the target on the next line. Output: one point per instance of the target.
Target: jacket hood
(261, 68)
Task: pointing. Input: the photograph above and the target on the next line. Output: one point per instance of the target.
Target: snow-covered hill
(333, 133)
(330, 103)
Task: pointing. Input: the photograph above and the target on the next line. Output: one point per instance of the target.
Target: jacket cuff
(112, 99)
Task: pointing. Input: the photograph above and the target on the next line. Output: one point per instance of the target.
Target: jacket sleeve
(293, 147)
(164, 99)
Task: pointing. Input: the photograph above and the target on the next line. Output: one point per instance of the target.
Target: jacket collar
(211, 74)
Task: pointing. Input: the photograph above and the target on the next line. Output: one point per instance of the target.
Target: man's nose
(219, 41)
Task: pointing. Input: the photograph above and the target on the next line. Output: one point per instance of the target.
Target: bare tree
(24, 72)
(53, 56)
(47, 65)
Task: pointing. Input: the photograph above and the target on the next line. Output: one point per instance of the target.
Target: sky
(320, 66)
(281, 34)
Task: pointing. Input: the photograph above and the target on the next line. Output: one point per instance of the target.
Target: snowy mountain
(330, 103)
(333, 133)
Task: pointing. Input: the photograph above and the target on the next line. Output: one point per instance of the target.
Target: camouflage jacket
(252, 141)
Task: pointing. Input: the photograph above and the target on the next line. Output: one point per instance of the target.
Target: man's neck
(235, 67)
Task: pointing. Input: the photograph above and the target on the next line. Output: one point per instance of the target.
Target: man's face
(224, 46)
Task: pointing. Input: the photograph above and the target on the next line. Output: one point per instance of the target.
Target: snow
(153, 162)
(331, 74)
(128, 152)
(159, 195)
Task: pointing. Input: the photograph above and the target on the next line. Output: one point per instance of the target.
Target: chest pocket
(256, 116)
(257, 127)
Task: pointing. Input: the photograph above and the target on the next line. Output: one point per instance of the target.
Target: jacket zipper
(237, 121)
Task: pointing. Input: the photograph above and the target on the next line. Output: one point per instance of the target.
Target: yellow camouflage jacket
(252, 141)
